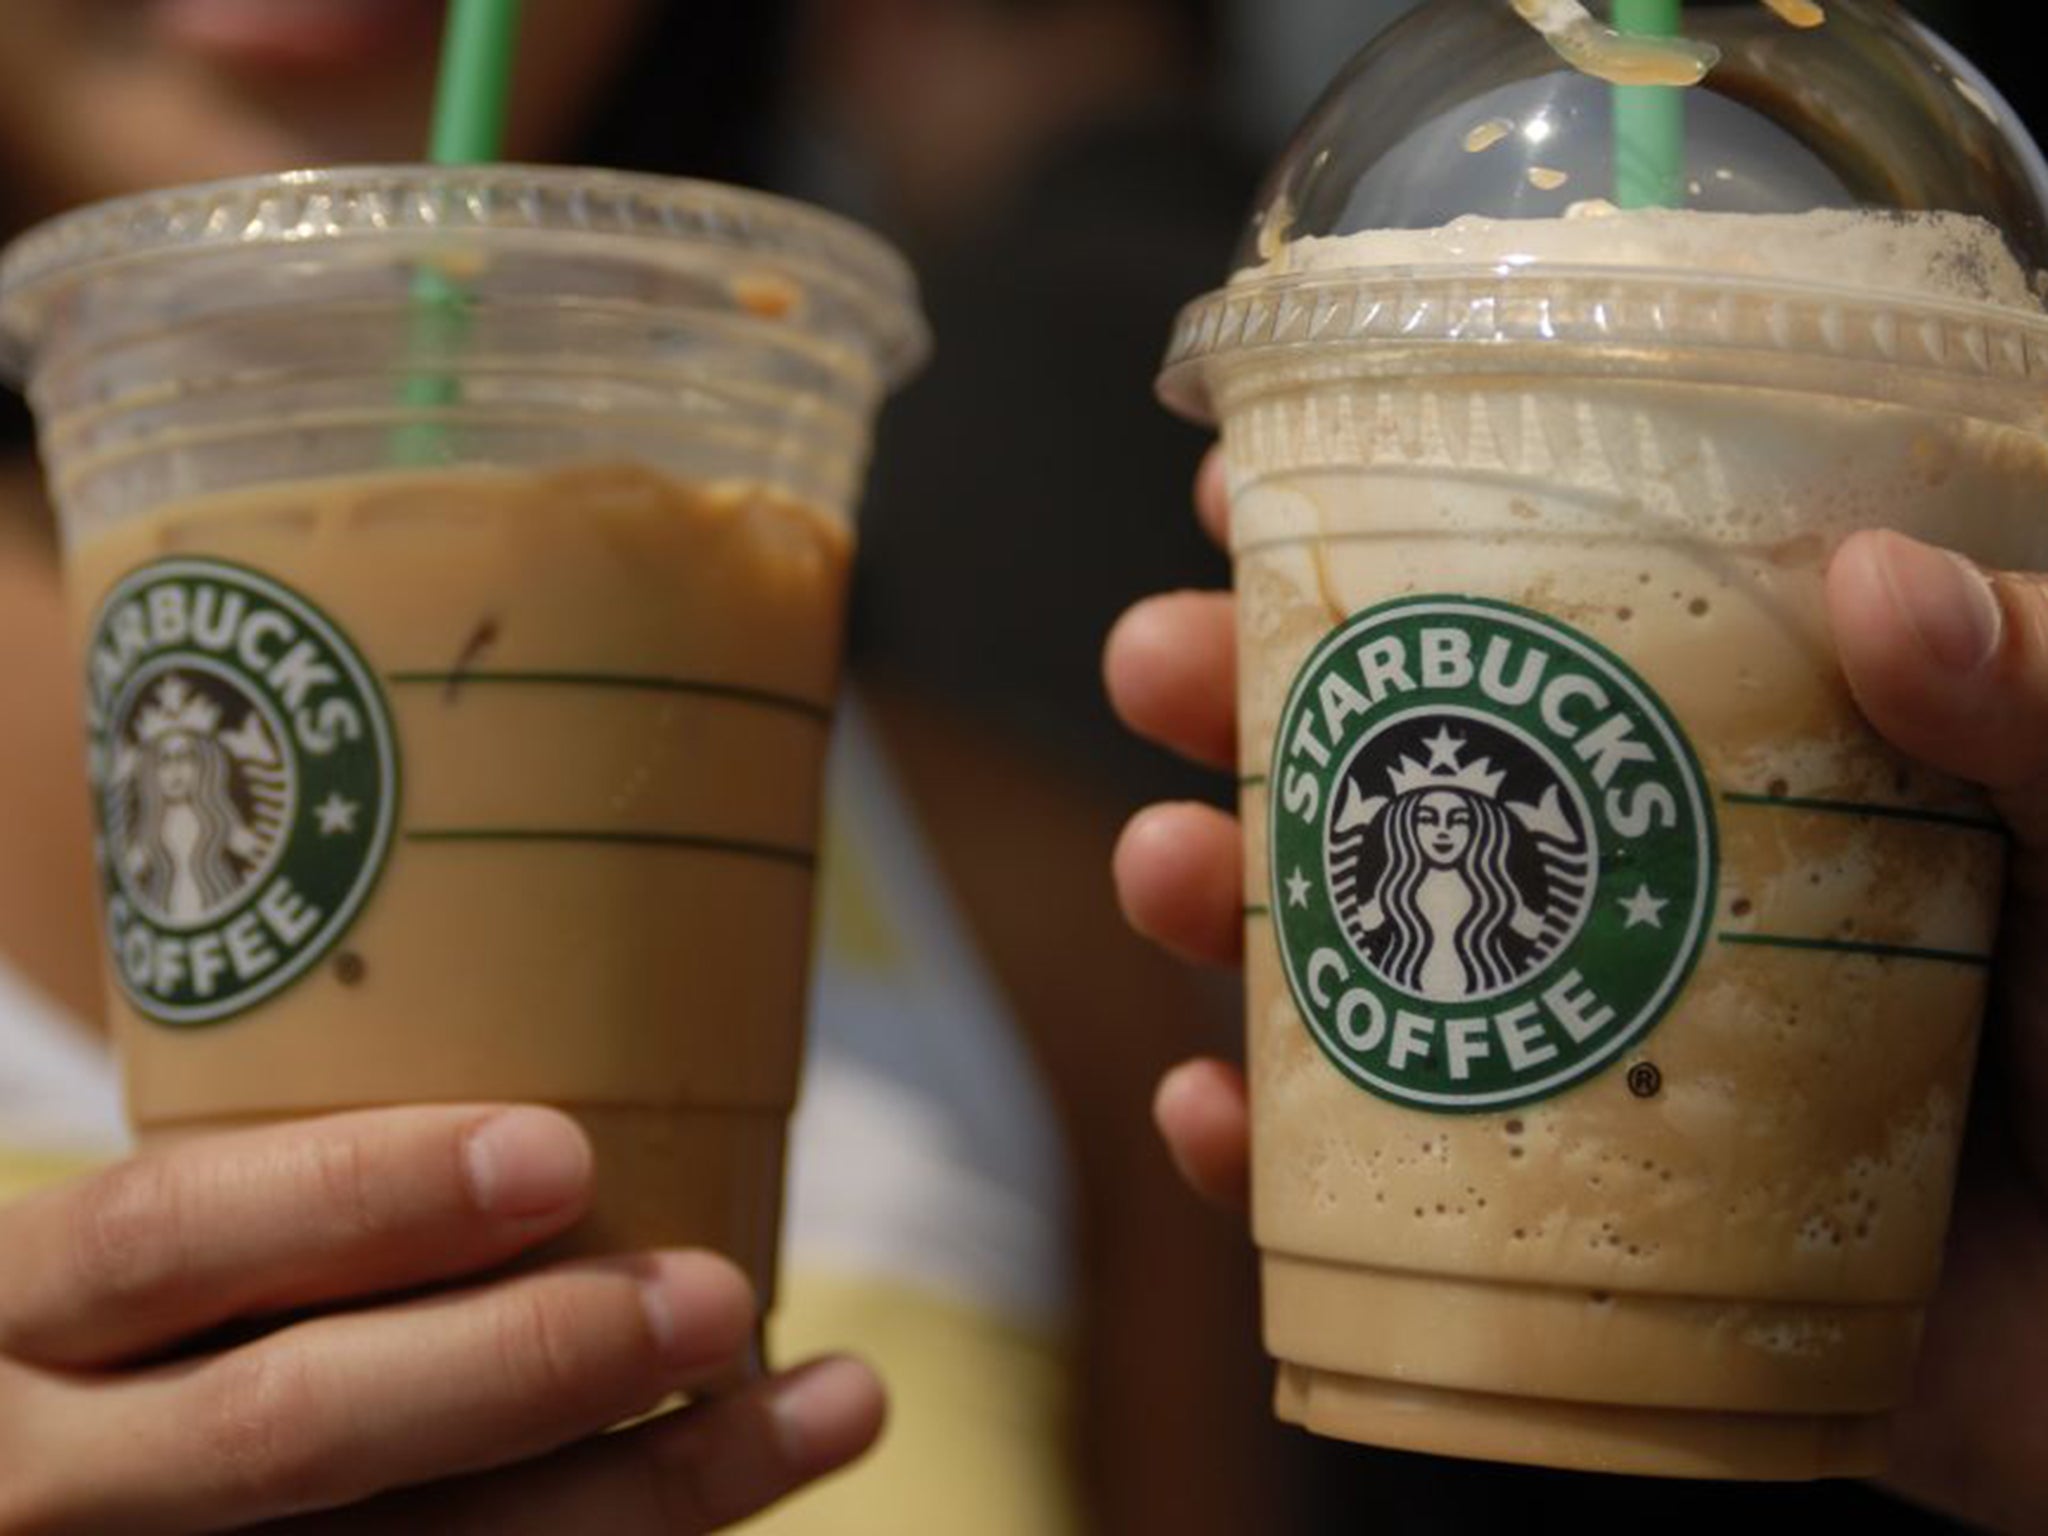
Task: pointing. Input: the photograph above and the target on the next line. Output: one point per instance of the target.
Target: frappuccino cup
(1613, 990)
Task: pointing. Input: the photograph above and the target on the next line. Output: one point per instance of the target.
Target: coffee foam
(1943, 256)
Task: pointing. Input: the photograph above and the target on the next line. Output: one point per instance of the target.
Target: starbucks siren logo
(1493, 857)
(245, 783)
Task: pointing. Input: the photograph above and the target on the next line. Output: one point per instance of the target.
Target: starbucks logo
(1493, 855)
(1458, 880)
(245, 784)
(196, 811)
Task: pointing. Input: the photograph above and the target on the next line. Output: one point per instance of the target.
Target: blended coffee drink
(1613, 990)
(466, 742)
(1614, 1007)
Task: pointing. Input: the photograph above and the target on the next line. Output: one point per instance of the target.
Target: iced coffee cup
(458, 561)
(1613, 990)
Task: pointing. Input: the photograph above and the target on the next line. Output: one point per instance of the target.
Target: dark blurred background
(1066, 173)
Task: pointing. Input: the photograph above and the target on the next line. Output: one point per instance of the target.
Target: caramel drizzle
(1593, 48)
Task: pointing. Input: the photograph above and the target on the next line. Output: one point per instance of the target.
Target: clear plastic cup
(1614, 991)
(458, 561)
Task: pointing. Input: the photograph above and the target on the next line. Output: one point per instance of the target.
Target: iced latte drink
(462, 740)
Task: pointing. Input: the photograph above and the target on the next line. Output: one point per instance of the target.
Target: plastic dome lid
(1464, 108)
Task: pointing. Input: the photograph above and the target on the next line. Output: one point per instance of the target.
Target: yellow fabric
(23, 1173)
(860, 931)
(977, 1414)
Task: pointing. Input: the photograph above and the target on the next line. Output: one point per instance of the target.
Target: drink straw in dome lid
(470, 105)
(1649, 120)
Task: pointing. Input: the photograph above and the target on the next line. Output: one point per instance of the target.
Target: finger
(700, 1470)
(1202, 1111)
(1951, 665)
(1180, 877)
(1171, 670)
(1212, 497)
(334, 1411)
(165, 1246)
(263, 1221)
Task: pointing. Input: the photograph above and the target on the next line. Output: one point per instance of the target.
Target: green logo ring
(245, 784)
(1493, 855)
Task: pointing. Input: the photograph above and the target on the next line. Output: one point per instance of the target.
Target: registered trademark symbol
(1644, 1080)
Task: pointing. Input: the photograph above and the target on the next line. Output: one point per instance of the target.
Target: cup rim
(1375, 315)
(423, 203)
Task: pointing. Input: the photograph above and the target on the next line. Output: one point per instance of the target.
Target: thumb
(1950, 663)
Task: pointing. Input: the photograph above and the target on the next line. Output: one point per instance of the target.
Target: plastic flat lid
(422, 205)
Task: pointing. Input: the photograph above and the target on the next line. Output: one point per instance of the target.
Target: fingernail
(1948, 602)
(524, 1163)
(699, 1312)
(662, 1322)
(826, 1414)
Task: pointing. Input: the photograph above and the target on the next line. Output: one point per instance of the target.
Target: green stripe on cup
(1859, 947)
(767, 698)
(1867, 808)
(801, 858)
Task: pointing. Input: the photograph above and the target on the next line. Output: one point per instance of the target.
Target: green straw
(476, 82)
(470, 103)
(1649, 120)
